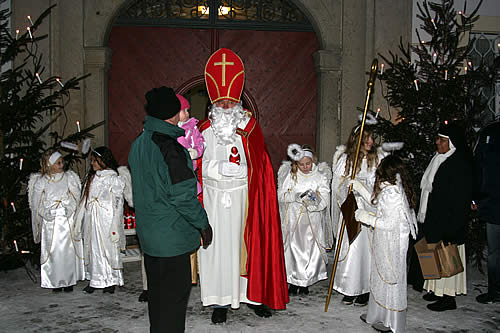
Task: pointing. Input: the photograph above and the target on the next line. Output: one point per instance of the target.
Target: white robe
(61, 256)
(225, 201)
(353, 267)
(305, 229)
(102, 228)
(389, 244)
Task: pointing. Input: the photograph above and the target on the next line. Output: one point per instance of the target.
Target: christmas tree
(431, 82)
(31, 103)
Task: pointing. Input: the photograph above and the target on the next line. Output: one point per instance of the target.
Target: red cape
(265, 263)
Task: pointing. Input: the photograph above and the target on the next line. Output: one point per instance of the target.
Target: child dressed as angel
(304, 197)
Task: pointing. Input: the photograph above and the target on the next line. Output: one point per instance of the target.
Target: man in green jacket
(169, 217)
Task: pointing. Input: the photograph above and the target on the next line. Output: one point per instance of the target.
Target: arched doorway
(155, 44)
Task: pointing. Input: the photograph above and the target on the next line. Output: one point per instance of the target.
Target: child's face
(305, 165)
(184, 115)
(95, 163)
(57, 167)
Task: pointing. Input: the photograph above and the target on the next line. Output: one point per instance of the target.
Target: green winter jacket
(168, 215)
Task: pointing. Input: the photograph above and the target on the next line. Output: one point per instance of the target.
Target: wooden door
(279, 69)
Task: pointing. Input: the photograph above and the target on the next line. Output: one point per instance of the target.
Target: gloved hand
(230, 169)
(193, 153)
(360, 189)
(206, 236)
(115, 238)
(364, 217)
(69, 210)
(61, 211)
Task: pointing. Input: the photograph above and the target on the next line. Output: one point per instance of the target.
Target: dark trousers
(493, 234)
(169, 285)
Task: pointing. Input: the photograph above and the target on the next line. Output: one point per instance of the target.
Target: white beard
(224, 122)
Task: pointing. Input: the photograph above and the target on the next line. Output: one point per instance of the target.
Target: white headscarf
(428, 178)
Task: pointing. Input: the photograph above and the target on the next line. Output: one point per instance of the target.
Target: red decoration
(235, 156)
(224, 76)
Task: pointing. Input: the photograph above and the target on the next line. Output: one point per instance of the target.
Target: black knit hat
(162, 103)
(454, 132)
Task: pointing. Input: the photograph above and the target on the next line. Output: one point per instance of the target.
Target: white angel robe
(353, 267)
(394, 222)
(61, 256)
(305, 227)
(224, 199)
(102, 228)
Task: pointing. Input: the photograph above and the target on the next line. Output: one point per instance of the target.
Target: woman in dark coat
(444, 204)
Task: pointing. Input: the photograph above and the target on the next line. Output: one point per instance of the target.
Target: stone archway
(99, 18)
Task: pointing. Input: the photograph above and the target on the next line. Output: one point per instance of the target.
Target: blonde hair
(44, 161)
(371, 155)
(295, 165)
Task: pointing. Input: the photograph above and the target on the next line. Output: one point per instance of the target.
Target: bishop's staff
(371, 81)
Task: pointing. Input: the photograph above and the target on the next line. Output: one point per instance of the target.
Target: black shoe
(292, 289)
(143, 297)
(56, 290)
(431, 297)
(363, 317)
(303, 291)
(445, 303)
(110, 289)
(379, 327)
(68, 289)
(88, 289)
(261, 310)
(362, 300)
(348, 300)
(219, 315)
(487, 299)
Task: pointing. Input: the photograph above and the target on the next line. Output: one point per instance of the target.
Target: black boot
(362, 300)
(143, 297)
(303, 290)
(56, 290)
(292, 289)
(348, 300)
(68, 289)
(219, 315)
(88, 289)
(431, 297)
(261, 310)
(110, 289)
(443, 304)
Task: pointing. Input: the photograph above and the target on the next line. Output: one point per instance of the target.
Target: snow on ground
(25, 307)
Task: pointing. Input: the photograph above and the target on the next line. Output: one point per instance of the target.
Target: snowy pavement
(25, 307)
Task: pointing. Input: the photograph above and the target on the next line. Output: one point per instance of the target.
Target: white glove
(193, 153)
(115, 238)
(61, 211)
(230, 169)
(360, 189)
(364, 217)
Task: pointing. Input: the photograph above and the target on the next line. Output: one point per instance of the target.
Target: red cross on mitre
(224, 76)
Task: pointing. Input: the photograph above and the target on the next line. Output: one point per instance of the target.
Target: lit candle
(15, 245)
(446, 74)
(25, 252)
(416, 84)
(13, 206)
(29, 31)
(38, 77)
(381, 69)
(433, 23)
(29, 19)
(465, 69)
(21, 163)
(60, 83)
(78, 125)
(17, 33)
(378, 111)
(460, 12)
(434, 56)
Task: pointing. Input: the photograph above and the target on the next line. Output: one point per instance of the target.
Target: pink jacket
(192, 139)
